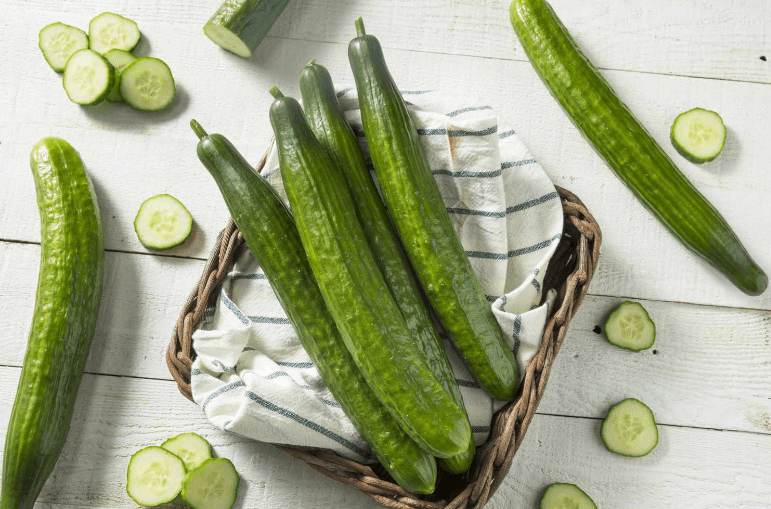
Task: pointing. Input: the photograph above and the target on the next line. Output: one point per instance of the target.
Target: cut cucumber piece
(147, 84)
(566, 496)
(630, 327)
(88, 77)
(120, 59)
(162, 222)
(112, 31)
(154, 476)
(698, 135)
(192, 448)
(629, 429)
(213, 485)
(239, 26)
(58, 42)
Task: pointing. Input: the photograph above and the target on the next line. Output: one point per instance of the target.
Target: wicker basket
(570, 271)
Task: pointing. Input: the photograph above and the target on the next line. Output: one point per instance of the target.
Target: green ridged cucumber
(239, 26)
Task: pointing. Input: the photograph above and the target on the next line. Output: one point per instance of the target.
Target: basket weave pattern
(570, 271)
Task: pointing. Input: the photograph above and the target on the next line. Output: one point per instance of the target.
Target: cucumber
(147, 84)
(633, 155)
(66, 306)
(265, 222)
(356, 294)
(630, 327)
(213, 485)
(698, 135)
(566, 496)
(58, 42)
(239, 26)
(629, 429)
(162, 222)
(112, 31)
(421, 219)
(119, 59)
(88, 77)
(328, 123)
(191, 448)
(154, 476)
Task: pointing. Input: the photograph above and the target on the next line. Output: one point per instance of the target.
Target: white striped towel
(252, 376)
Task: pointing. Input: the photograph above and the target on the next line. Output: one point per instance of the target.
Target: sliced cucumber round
(630, 429)
(154, 476)
(88, 77)
(147, 84)
(120, 59)
(58, 42)
(112, 31)
(566, 496)
(192, 448)
(698, 135)
(213, 485)
(162, 222)
(629, 326)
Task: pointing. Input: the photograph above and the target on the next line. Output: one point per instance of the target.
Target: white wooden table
(708, 379)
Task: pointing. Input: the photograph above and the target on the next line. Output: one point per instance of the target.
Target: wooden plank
(114, 417)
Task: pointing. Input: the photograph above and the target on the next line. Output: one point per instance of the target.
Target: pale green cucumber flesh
(88, 77)
(630, 429)
(162, 222)
(147, 84)
(120, 59)
(239, 26)
(112, 31)
(213, 485)
(58, 42)
(566, 496)
(154, 476)
(191, 448)
(698, 135)
(629, 326)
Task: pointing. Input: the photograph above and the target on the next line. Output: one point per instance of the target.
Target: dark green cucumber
(627, 148)
(66, 307)
(356, 294)
(419, 214)
(271, 234)
(328, 123)
(239, 26)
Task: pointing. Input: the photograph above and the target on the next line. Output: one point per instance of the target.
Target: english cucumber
(66, 306)
(698, 135)
(239, 26)
(58, 42)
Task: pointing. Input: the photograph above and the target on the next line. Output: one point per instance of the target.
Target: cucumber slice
(698, 135)
(162, 222)
(566, 496)
(630, 327)
(88, 77)
(239, 26)
(213, 485)
(629, 429)
(58, 42)
(112, 31)
(192, 448)
(120, 59)
(147, 84)
(154, 476)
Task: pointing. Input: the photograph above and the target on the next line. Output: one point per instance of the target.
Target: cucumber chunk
(698, 135)
(239, 26)
(630, 327)
(629, 429)
(147, 84)
(88, 77)
(213, 485)
(112, 31)
(566, 496)
(162, 222)
(192, 448)
(154, 476)
(58, 42)
(120, 59)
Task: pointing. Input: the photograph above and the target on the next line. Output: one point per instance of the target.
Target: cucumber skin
(266, 223)
(249, 20)
(633, 155)
(421, 219)
(355, 292)
(684, 151)
(327, 121)
(66, 306)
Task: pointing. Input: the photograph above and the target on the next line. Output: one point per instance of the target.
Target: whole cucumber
(66, 306)
(419, 214)
(356, 294)
(633, 155)
(271, 234)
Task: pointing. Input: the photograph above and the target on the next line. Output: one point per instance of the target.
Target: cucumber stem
(312, 62)
(275, 92)
(197, 129)
(360, 28)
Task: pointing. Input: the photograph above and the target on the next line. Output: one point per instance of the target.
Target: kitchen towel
(252, 376)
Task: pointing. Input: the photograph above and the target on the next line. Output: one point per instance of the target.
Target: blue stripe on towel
(480, 429)
(249, 276)
(269, 319)
(514, 253)
(468, 383)
(521, 162)
(221, 390)
(295, 364)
